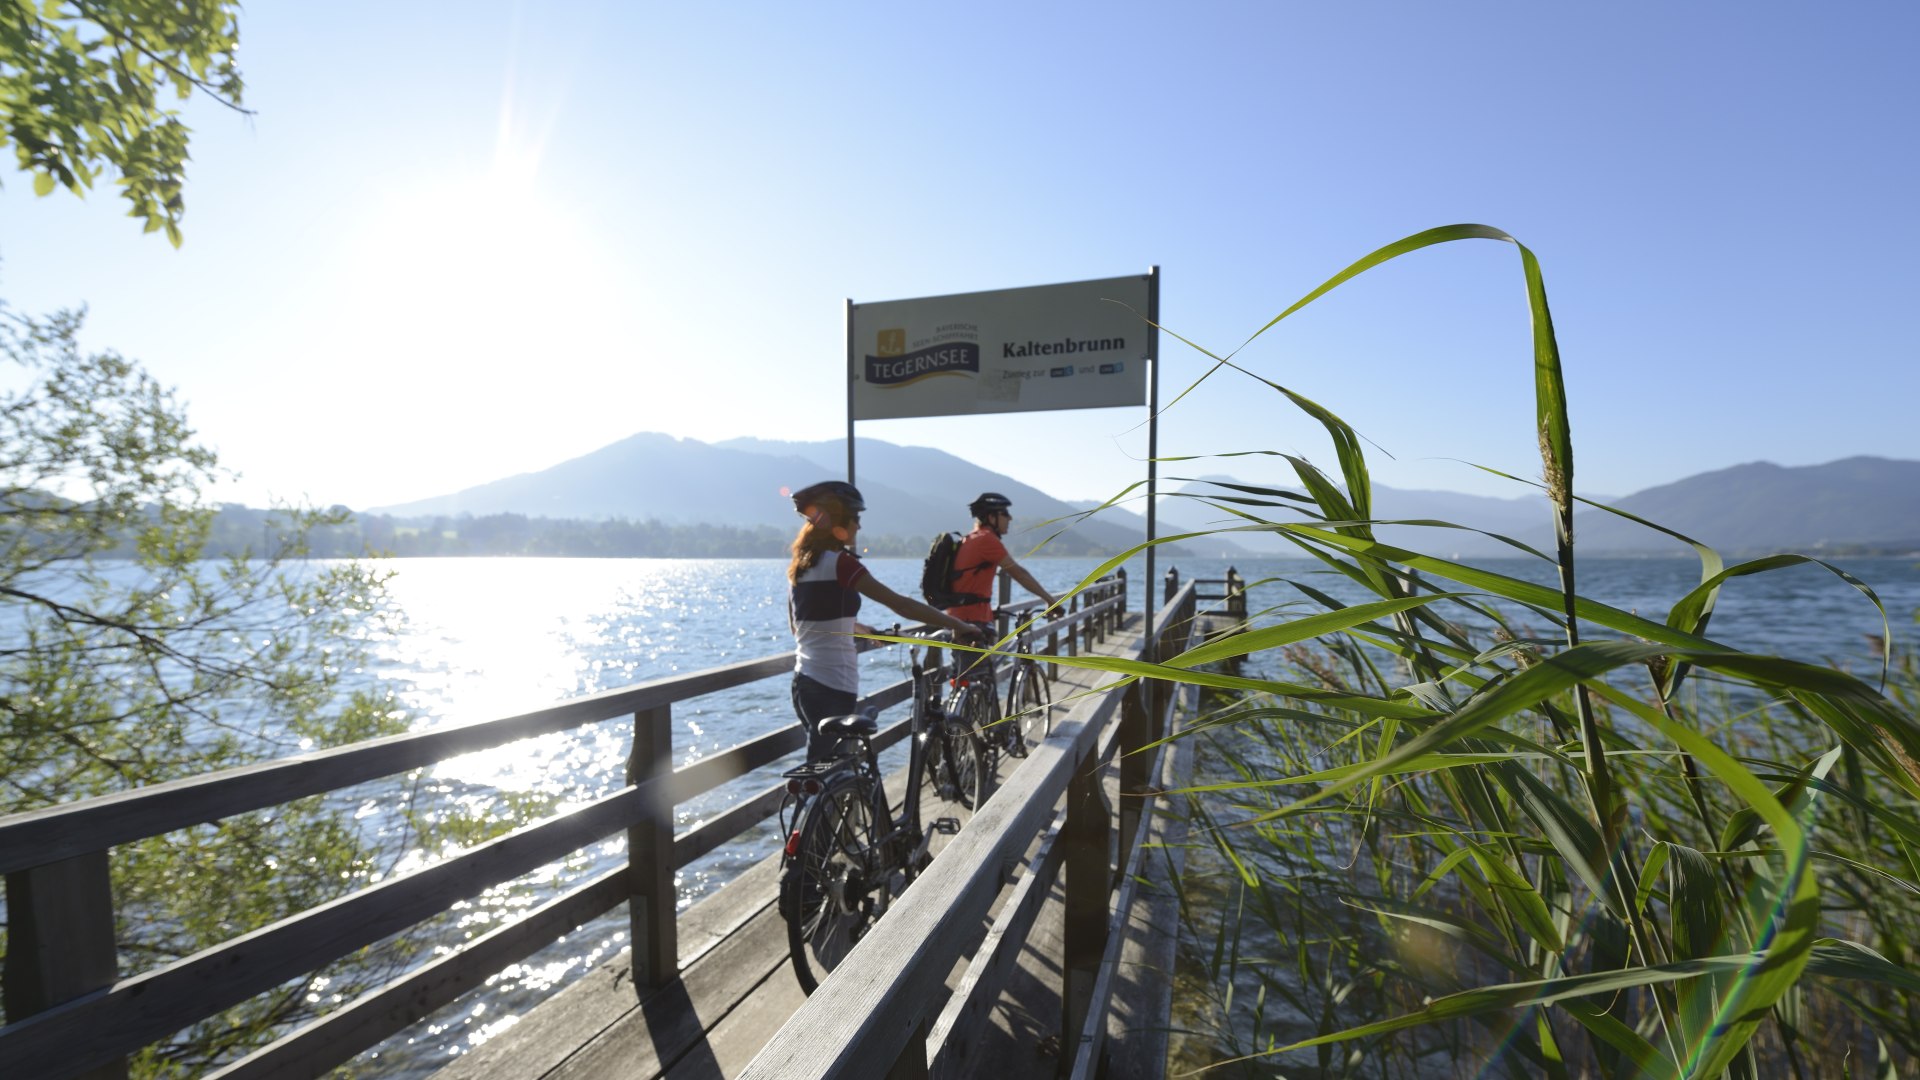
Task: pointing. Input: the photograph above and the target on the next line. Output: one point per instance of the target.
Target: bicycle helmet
(839, 491)
(989, 502)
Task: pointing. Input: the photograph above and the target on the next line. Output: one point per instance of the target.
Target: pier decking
(1032, 945)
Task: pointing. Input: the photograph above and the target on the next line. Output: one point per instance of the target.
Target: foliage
(83, 87)
(121, 672)
(239, 529)
(1617, 848)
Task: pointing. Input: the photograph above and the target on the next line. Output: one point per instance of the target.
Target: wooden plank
(319, 1047)
(671, 1024)
(1093, 1030)
(150, 1006)
(959, 1029)
(732, 1038)
(718, 939)
(1139, 1012)
(1089, 881)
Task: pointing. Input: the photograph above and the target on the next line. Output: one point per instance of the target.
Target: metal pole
(853, 376)
(1153, 425)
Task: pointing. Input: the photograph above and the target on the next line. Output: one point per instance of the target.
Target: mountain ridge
(1860, 501)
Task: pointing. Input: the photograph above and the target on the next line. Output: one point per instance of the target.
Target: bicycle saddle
(863, 723)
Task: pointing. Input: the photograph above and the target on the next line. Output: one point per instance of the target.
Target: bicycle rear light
(793, 843)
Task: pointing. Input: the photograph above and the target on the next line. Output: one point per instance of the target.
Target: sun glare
(477, 262)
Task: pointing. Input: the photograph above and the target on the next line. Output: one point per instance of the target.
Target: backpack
(937, 573)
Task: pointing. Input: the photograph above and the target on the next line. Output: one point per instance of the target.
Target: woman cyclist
(825, 584)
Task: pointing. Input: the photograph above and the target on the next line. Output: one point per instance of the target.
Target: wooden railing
(72, 1016)
(1232, 594)
(886, 1011)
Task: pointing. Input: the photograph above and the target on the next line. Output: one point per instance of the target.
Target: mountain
(1860, 503)
(911, 491)
(1857, 503)
(957, 481)
(1508, 517)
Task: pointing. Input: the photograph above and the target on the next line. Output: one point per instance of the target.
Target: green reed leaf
(1520, 899)
(1648, 1059)
(1312, 626)
(1692, 611)
(1789, 915)
(1835, 958)
(1508, 996)
(1572, 835)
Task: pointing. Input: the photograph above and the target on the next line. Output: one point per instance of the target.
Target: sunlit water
(484, 638)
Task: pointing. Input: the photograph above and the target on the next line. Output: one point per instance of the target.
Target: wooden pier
(1038, 943)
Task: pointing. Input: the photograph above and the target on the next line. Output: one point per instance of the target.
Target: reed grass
(1607, 847)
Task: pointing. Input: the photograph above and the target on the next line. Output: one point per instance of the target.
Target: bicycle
(847, 855)
(959, 760)
(1029, 711)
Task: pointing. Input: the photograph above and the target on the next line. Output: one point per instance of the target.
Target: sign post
(1153, 445)
(1076, 345)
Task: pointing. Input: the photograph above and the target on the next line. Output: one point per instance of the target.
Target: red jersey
(979, 556)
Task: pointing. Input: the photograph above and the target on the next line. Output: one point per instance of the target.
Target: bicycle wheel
(933, 770)
(1030, 705)
(827, 888)
(965, 761)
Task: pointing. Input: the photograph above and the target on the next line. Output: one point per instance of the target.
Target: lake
(492, 637)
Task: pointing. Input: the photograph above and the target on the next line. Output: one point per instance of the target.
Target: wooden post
(60, 940)
(1073, 631)
(1159, 690)
(652, 900)
(1088, 878)
(1053, 642)
(1122, 575)
(1136, 731)
(1236, 594)
(912, 1062)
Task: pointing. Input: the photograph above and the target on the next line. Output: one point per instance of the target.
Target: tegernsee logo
(949, 358)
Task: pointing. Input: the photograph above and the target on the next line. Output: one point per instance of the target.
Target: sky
(457, 242)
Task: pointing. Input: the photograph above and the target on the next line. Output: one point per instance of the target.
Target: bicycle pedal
(947, 825)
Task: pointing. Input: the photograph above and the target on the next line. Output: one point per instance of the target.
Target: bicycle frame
(807, 781)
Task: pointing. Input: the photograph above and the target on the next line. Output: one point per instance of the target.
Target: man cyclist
(981, 554)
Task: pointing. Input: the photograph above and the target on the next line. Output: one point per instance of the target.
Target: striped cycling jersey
(821, 605)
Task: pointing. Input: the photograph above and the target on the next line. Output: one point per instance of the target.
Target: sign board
(1079, 345)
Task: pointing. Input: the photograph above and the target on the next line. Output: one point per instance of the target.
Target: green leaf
(1520, 899)
(1295, 630)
